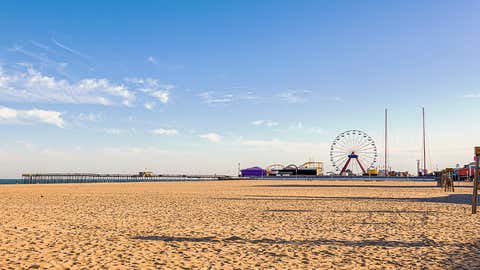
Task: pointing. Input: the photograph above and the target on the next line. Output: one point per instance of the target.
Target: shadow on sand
(450, 198)
(433, 185)
(457, 255)
(235, 239)
(353, 211)
(463, 256)
(288, 211)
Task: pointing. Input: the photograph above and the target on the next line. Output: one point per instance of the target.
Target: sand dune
(238, 225)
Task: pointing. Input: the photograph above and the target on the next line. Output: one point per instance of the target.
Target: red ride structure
(350, 157)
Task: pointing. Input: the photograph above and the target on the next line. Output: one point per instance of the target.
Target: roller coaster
(307, 168)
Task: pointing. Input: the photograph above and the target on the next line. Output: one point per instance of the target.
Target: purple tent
(253, 172)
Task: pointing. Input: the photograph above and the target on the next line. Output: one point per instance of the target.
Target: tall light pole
(424, 144)
(386, 141)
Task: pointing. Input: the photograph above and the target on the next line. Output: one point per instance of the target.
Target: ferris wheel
(353, 151)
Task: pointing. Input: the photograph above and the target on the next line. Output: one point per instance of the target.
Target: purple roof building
(253, 172)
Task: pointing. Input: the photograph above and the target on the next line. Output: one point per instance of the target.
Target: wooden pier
(53, 178)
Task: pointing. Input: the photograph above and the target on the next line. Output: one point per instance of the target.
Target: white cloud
(233, 94)
(8, 115)
(105, 85)
(471, 95)
(41, 46)
(162, 96)
(258, 122)
(161, 131)
(271, 124)
(213, 137)
(266, 123)
(65, 47)
(152, 60)
(315, 130)
(249, 96)
(333, 99)
(149, 105)
(90, 117)
(211, 97)
(145, 84)
(153, 88)
(297, 125)
(295, 96)
(32, 86)
(112, 131)
(305, 128)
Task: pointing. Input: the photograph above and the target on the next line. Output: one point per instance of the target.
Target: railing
(51, 178)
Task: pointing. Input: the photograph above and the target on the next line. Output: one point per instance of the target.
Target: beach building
(253, 172)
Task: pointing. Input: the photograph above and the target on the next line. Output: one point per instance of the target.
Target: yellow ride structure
(372, 172)
(274, 168)
(313, 164)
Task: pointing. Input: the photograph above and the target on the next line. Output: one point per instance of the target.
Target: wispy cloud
(266, 123)
(245, 95)
(149, 105)
(42, 58)
(162, 96)
(27, 84)
(90, 117)
(305, 128)
(162, 131)
(296, 125)
(152, 87)
(300, 96)
(211, 97)
(161, 64)
(152, 60)
(472, 95)
(333, 99)
(41, 46)
(316, 130)
(9, 115)
(30, 85)
(295, 96)
(212, 137)
(239, 94)
(73, 51)
(112, 131)
(249, 95)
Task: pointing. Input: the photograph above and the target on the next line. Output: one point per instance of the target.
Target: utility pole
(386, 141)
(424, 144)
(475, 181)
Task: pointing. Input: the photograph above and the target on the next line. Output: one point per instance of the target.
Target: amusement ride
(353, 152)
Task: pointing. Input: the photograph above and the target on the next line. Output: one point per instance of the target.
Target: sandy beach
(238, 225)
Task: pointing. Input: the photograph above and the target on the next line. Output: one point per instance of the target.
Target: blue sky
(199, 86)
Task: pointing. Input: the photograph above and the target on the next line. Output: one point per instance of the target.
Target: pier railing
(51, 178)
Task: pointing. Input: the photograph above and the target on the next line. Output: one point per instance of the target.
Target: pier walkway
(52, 178)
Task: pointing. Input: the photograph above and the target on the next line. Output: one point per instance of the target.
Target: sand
(238, 225)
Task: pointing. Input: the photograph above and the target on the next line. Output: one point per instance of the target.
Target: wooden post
(475, 181)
